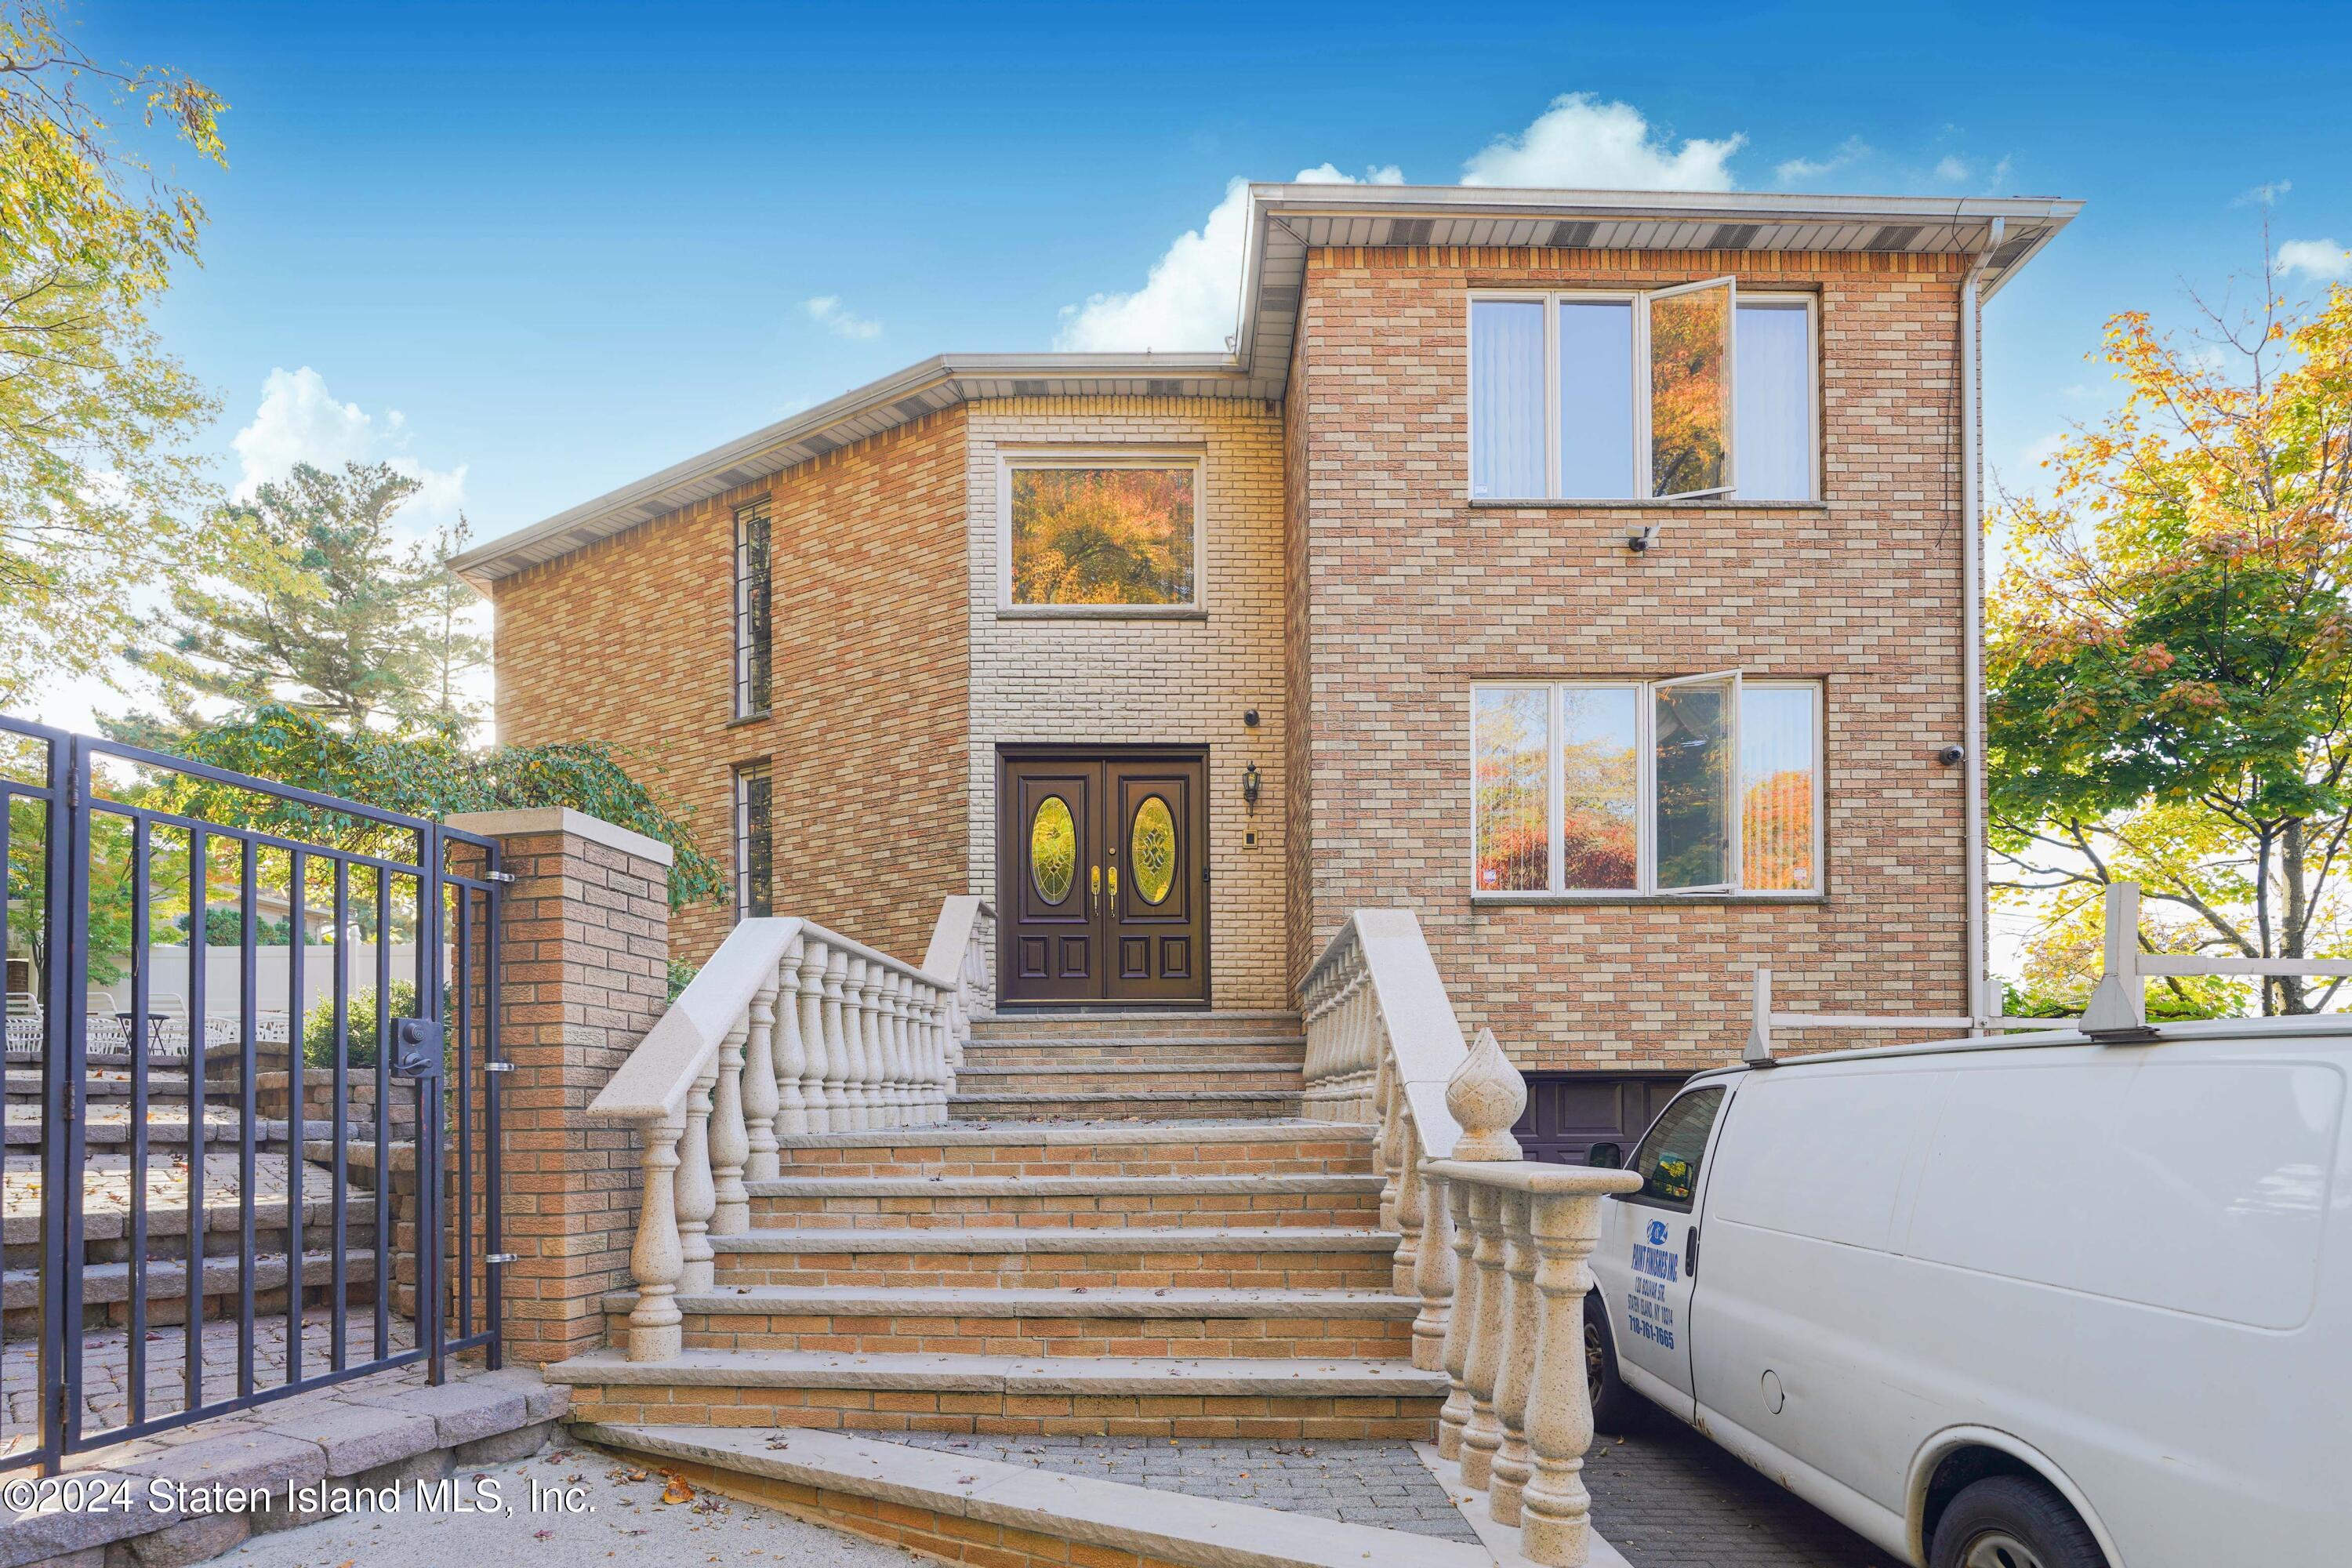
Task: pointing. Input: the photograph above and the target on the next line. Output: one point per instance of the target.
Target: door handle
(1690, 1253)
(1114, 885)
(1094, 890)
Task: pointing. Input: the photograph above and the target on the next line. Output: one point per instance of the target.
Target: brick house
(1594, 574)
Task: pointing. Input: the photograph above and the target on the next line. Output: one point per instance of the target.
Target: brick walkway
(1670, 1498)
(1381, 1484)
(106, 1368)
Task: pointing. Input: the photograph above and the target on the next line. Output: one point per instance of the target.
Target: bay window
(1707, 784)
(1693, 392)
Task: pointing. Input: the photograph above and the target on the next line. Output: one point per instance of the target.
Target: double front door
(1102, 884)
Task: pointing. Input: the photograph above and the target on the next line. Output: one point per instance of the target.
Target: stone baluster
(816, 1070)
(1433, 1274)
(1404, 1263)
(1482, 1436)
(730, 1140)
(869, 1030)
(1388, 1140)
(698, 1200)
(1556, 1512)
(1462, 1322)
(792, 1056)
(842, 1109)
(656, 1260)
(932, 1013)
(761, 1096)
(902, 1056)
(1518, 1358)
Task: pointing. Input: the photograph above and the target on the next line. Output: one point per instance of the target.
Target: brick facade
(630, 641)
(1179, 682)
(1410, 595)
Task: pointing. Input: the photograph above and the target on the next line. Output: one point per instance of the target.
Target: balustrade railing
(789, 1031)
(1493, 1247)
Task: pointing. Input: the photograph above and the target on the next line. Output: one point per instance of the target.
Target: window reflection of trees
(1102, 536)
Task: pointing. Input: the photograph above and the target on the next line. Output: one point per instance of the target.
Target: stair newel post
(1462, 1322)
(816, 1101)
(1555, 1512)
(730, 1140)
(656, 1260)
(1434, 1272)
(841, 1111)
(792, 1056)
(698, 1200)
(760, 1095)
(1513, 1463)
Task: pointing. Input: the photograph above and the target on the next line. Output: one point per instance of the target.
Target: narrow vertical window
(1779, 736)
(753, 620)
(1511, 742)
(1774, 401)
(1690, 390)
(1507, 399)
(755, 854)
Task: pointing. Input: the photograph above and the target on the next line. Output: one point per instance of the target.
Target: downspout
(1979, 1007)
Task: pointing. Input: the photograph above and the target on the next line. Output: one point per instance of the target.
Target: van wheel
(2013, 1522)
(1616, 1409)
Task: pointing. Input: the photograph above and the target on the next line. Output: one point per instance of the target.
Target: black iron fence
(251, 1092)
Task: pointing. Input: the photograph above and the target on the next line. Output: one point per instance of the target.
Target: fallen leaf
(678, 1490)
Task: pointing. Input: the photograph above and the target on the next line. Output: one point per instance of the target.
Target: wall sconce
(1249, 786)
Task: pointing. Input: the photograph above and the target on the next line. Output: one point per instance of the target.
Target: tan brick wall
(630, 642)
(1173, 683)
(1414, 594)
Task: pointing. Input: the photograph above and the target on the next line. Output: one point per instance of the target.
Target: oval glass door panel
(1052, 849)
(1152, 850)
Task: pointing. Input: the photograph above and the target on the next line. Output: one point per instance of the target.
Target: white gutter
(1972, 629)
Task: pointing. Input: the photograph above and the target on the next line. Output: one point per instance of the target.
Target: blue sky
(536, 251)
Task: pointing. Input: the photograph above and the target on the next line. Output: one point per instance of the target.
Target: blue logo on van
(1657, 1233)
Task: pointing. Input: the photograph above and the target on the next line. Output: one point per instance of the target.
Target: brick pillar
(585, 928)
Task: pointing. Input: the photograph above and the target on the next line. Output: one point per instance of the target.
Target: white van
(2028, 1301)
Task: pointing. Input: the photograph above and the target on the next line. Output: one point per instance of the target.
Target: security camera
(1952, 755)
(1640, 539)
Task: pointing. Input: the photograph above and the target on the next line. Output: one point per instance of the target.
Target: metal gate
(232, 1007)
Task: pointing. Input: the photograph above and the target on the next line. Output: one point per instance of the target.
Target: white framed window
(1100, 533)
(1705, 784)
(1693, 392)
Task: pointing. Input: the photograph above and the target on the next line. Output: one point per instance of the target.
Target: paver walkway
(1670, 1498)
(1361, 1482)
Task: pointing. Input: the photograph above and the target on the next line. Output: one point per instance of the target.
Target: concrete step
(1166, 1023)
(1147, 1105)
(1302, 1324)
(1086, 1203)
(1295, 1258)
(963, 1508)
(1030, 1148)
(1115, 1052)
(1051, 1078)
(1121, 1397)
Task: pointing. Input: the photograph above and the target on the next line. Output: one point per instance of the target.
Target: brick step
(1286, 1049)
(1329, 1399)
(107, 1127)
(1296, 1258)
(1172, 1024)
(1149, 1105)
(1029, 1148)
(1090, 1078)
(1306, 1324)
(960, 1508)
(1088, 1202)
(106, 1287)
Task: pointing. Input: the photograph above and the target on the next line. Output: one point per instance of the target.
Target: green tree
(2170, 656)
(99, 495)
(334, 615)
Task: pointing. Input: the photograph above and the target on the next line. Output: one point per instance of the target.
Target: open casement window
(1688, 343)
(1693, 775)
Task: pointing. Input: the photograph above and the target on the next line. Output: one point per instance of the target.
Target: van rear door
(1650, 1248)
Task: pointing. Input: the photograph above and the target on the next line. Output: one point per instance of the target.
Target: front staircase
(1165, 1227)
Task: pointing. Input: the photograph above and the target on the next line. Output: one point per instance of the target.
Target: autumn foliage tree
(1102, 536)
(2169, 654)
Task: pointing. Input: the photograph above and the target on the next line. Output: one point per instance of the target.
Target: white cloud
(826, 311)
(300, 421)
(1854, 149)
(1189, 299)
(2322, 259)
(2263, 195)
(1949, 167)
(1583, 143)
